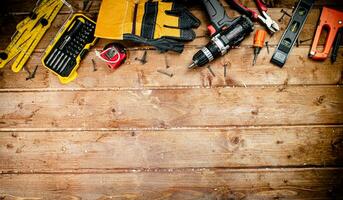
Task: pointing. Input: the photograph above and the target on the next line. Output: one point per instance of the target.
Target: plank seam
(17, 90)
(182, 170)
(233, 127)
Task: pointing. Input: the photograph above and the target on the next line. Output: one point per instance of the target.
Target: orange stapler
(332, 21)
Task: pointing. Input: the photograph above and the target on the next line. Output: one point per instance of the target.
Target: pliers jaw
(268, 22)
(271, 25)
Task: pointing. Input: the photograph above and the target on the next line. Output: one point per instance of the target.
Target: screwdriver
(77, 25)
(260, 35)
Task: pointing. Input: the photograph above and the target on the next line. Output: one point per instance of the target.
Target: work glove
(164, 24)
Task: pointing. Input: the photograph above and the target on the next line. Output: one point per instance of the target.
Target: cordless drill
(225, 33)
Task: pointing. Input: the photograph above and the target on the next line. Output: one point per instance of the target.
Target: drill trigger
(212, 30)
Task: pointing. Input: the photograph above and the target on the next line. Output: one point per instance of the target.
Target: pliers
(264, 17)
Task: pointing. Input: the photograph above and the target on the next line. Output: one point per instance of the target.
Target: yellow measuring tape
(28, 34)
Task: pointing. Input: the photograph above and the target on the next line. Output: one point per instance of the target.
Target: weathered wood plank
(299, 70)
(186, 185)
(166, 108)
(238, 73)
(24, 152)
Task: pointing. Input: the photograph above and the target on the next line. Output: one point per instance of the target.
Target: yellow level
(28, 34)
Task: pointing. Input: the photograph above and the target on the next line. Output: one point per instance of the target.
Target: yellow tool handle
(38, 33)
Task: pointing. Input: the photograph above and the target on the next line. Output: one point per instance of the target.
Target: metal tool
(94, 65)
(292, 32)
(33, 74)
(332, 20)
(54, 56)
(225, 33)
(165, 73)
(70, 45)
(267, 45)
(264, 18)
(260, 35)
(284, 12)
(72, 32)
(225, 69)
(143, 59)
(211, 71)
(65, 57)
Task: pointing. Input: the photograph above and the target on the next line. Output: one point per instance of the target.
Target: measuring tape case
(72, 42)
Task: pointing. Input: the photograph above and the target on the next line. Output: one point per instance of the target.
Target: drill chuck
(223, 41)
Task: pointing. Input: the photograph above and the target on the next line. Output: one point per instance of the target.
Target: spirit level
(292, 32)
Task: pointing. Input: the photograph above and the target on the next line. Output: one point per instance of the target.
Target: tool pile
(165, 25)
(69, 47)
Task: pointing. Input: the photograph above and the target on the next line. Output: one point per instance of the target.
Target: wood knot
(235, 140)
(20, 106)
(319, 100)
(133, 134)
(254, 112)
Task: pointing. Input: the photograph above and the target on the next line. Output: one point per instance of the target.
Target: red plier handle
(236, 4)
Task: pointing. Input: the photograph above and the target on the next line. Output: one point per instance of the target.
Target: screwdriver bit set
(64, 54)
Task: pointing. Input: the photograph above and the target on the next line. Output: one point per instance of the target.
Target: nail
(211, 71)
(165, 73)
(94, 65)
(302, 41)
(225, 68)
(284, 13)
(166, 61)
(267, 45)
(143, 60)
(32, 76)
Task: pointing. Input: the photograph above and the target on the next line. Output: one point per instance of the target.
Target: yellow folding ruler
(28, 34)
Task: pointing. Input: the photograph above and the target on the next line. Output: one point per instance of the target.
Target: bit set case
(70, 45)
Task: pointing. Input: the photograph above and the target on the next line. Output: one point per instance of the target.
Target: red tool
(264, 17)
(114, 55)
(332, 20)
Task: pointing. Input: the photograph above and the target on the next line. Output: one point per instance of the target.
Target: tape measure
(114, 54)
(28, 34)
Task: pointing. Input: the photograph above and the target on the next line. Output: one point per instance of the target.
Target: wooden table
(261, 132)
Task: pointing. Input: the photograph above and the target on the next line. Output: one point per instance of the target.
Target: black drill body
(228, 33)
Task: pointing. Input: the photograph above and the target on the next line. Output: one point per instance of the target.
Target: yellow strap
(164, 20)
(116, 18)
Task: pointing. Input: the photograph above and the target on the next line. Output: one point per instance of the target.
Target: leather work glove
(160, 23)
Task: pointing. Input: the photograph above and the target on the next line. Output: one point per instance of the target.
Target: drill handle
(218, 17)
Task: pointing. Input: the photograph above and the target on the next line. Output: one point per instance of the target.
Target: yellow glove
(163, 24)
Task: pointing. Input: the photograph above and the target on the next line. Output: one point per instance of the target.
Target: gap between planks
(236, 127)
(252, 169)
(96, 89)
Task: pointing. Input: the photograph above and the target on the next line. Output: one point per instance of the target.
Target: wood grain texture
(259, 133)
(299, 70)
(187, 185)
(24, 152)
(216, 107)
